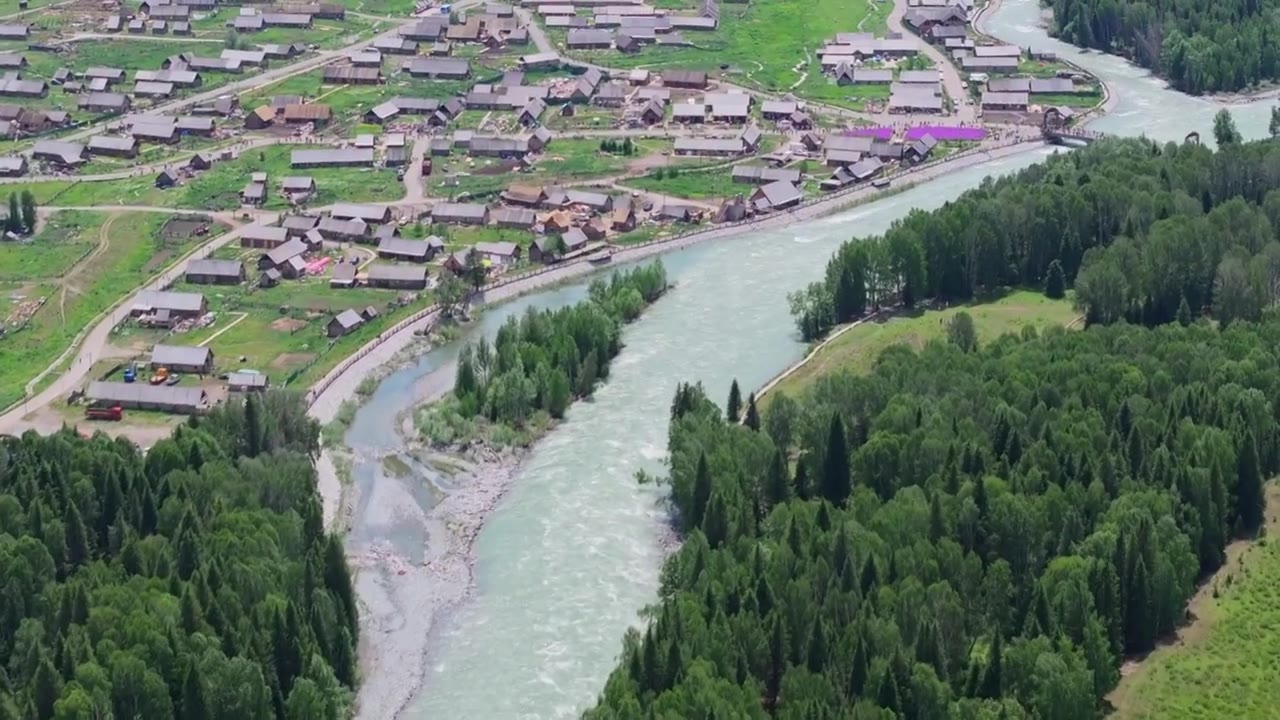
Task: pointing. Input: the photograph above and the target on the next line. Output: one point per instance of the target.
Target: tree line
(1143, 225)
(192, 581)
(1199, 47)
(964, 533)
(21, 216)
(545, 359)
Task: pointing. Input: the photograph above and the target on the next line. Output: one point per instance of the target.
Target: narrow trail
(233, 323)
(104, 241)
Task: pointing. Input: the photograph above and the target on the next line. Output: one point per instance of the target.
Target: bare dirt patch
(289, 360)
(288, 325)
(157, 261)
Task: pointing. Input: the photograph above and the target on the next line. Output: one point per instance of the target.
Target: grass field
(1224, 663)
(1079, 100)
(132, 249)
(348, 102)
(282, 331)
(59, 245)
(565, 160)
(761, 42)
(858, 349)
(219, 187)
(716, 183)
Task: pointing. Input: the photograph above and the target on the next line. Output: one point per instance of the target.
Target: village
(366, 166)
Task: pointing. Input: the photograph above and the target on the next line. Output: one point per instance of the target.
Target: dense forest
(194, 581)
(1200, 47)
(540, 362)
(966, 532)
(1145, 227)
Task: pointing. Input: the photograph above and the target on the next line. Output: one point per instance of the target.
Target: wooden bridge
(1070, 136)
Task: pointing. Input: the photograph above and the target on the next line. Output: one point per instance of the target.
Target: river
(572, 553)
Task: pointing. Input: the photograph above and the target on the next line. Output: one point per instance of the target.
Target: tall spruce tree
(733, 409)
(836, 482)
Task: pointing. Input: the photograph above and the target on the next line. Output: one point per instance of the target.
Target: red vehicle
(104, 412)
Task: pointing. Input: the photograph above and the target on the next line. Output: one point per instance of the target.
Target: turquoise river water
(572, 553)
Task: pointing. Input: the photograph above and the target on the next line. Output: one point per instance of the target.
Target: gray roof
(439, 66)
(405, 246)
(397, 273)
(180, 355)
(1052, 85)
(752, 173)
(1012, 51)
(1004, 98)
(579, 37)
(151, 87)
(501, 249)
(283, 253)
(466, 210)
(366, 212)
(514, 216)
(780, 192)
(299, 183)
(299, 222)
(1008, 85)
(146, 394)
(709, 145)
(343, 156)
(265, 232)
(110, 143)
(918, 76)
(169, 300)
(247, 379)
(349, 319)
(219, 268)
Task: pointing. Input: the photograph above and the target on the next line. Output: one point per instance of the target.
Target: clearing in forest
(857, 349)
(1222, 664)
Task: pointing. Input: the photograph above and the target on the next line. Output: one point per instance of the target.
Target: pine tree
(252, 426)
(752, 419)
(28, 211)
(1249, 491)
(46, 686)
(777, 663)
(190, 611)
(715, 525)
(1184, 313)
(777, 487)
(734, 409)
(992, 679)
(77, 537)
(836, 484)
(13, 223)
(587, 374)
(889, 697)
(859, 670)
(193, 705)
(816, 656)
(1055, 283)
(937, 523)
(701, 492)
(337, 580)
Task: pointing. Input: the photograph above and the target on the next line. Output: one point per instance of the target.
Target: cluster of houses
(859, 158)
(497, 26)
(1017, 94)
(17, 121)
(134, 131)
(623, 25)
(292, 250)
